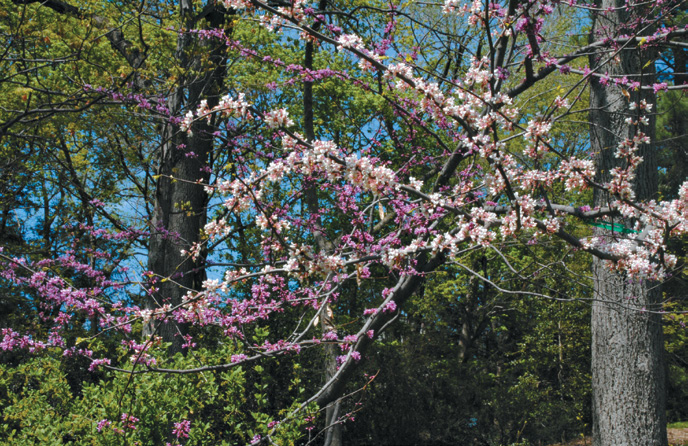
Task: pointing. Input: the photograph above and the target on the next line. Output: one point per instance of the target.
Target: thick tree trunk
(628, 381)
(627, 365)
(180, 199)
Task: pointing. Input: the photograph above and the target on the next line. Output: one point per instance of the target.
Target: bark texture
(628, 378)
(180, 198)
(333, 434)
(627, 363)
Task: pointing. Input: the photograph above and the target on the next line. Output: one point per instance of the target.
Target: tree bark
(628, 379)
(333, 434)
(627, 363)
(180, 197)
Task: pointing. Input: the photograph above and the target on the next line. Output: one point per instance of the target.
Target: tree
(438, 155)
(180, 199)
(627, 346)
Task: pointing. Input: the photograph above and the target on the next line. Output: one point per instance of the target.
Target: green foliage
(40, 407)
(676, 351)
(470, 364)
(672, 131)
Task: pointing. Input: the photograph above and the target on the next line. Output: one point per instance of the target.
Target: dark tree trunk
(180, 199)
(628, 380)
(680, 66)
(333, 434)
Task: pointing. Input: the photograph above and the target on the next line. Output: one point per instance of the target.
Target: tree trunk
(333, 434)
(180, 201)
(628, 381)
(627, 363)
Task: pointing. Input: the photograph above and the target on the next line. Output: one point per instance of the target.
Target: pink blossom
(330, 336)
(129, 421)
(661, 86)
(390, 307)
(96, 363)
(102, 424)
(238, 358)
(181, 429)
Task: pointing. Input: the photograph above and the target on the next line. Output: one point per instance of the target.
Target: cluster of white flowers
(226, 107)
(396, 257)
(272, 223)
(560, 102)
(350, 41)
(576, 173)
(460, 7)
(217, 228)
(237, 4)
(478, 73)
(278, 118)
(296, 12)
(537, 138)
(532, 179)
(364, 173)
